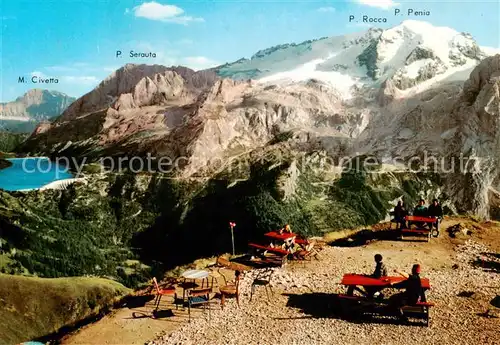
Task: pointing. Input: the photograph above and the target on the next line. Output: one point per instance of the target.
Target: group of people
(414, 292)
(434, 210)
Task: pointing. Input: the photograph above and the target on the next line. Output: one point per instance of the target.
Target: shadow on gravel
(327, 305)
(496, 301)
(488, 262)
(366, 236)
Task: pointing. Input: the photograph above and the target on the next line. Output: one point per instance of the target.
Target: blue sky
(76, 41)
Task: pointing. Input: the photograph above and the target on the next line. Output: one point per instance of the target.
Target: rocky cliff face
(134, 86)
(215, 122)
(456, 126)
(478, 136)
(35, 105)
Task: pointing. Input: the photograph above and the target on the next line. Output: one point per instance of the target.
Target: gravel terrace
(298, 312)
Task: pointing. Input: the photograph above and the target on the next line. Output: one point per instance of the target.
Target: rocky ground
(464, 278)
(4, 164)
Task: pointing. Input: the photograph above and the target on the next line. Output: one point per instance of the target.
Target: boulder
(459, 230)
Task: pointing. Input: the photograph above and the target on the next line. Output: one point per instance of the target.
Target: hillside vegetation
(9, 140)
(134, 226)
(34, 307)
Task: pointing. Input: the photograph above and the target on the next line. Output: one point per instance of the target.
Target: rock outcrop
(478, 138)
(165, 115)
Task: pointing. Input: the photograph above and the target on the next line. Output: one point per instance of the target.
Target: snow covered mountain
(414, 55)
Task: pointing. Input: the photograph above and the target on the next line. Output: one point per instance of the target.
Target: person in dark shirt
(399, 215)
(380, 269)
(414, 292)
(436, 211)
(379, 272)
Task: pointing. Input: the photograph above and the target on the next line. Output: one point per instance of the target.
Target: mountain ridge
(35, 105)
(201, 118)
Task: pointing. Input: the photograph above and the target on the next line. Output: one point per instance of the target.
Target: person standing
(435, 210)
(399, 215)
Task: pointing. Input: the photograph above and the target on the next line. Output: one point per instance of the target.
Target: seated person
(413, 291)
(420, 211)
(380, 271)
(399, 215)
(285, 229)
(436, 211)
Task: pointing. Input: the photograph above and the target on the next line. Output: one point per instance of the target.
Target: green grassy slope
(33, 307)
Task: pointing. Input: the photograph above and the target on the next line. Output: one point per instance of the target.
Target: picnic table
(420, 230)
(358, 281)
(287, 238)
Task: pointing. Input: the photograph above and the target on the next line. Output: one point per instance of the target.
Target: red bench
(277, 251)
(301, 241)
(425, 232)
(420, 219)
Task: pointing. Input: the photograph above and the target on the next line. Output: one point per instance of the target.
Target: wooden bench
(419, 310)
(235, 266)
(420, 219)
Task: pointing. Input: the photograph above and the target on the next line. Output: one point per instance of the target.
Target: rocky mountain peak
(133, 86)
(35, 104)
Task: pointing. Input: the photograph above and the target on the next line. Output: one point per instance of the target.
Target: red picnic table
(420, 230)
(283, 236)
(358, 281)
(287, 238)
(355, 281)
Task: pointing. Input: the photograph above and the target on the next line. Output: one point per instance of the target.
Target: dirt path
(297, 313)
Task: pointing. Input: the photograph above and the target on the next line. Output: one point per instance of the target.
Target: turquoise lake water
(31, 173)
